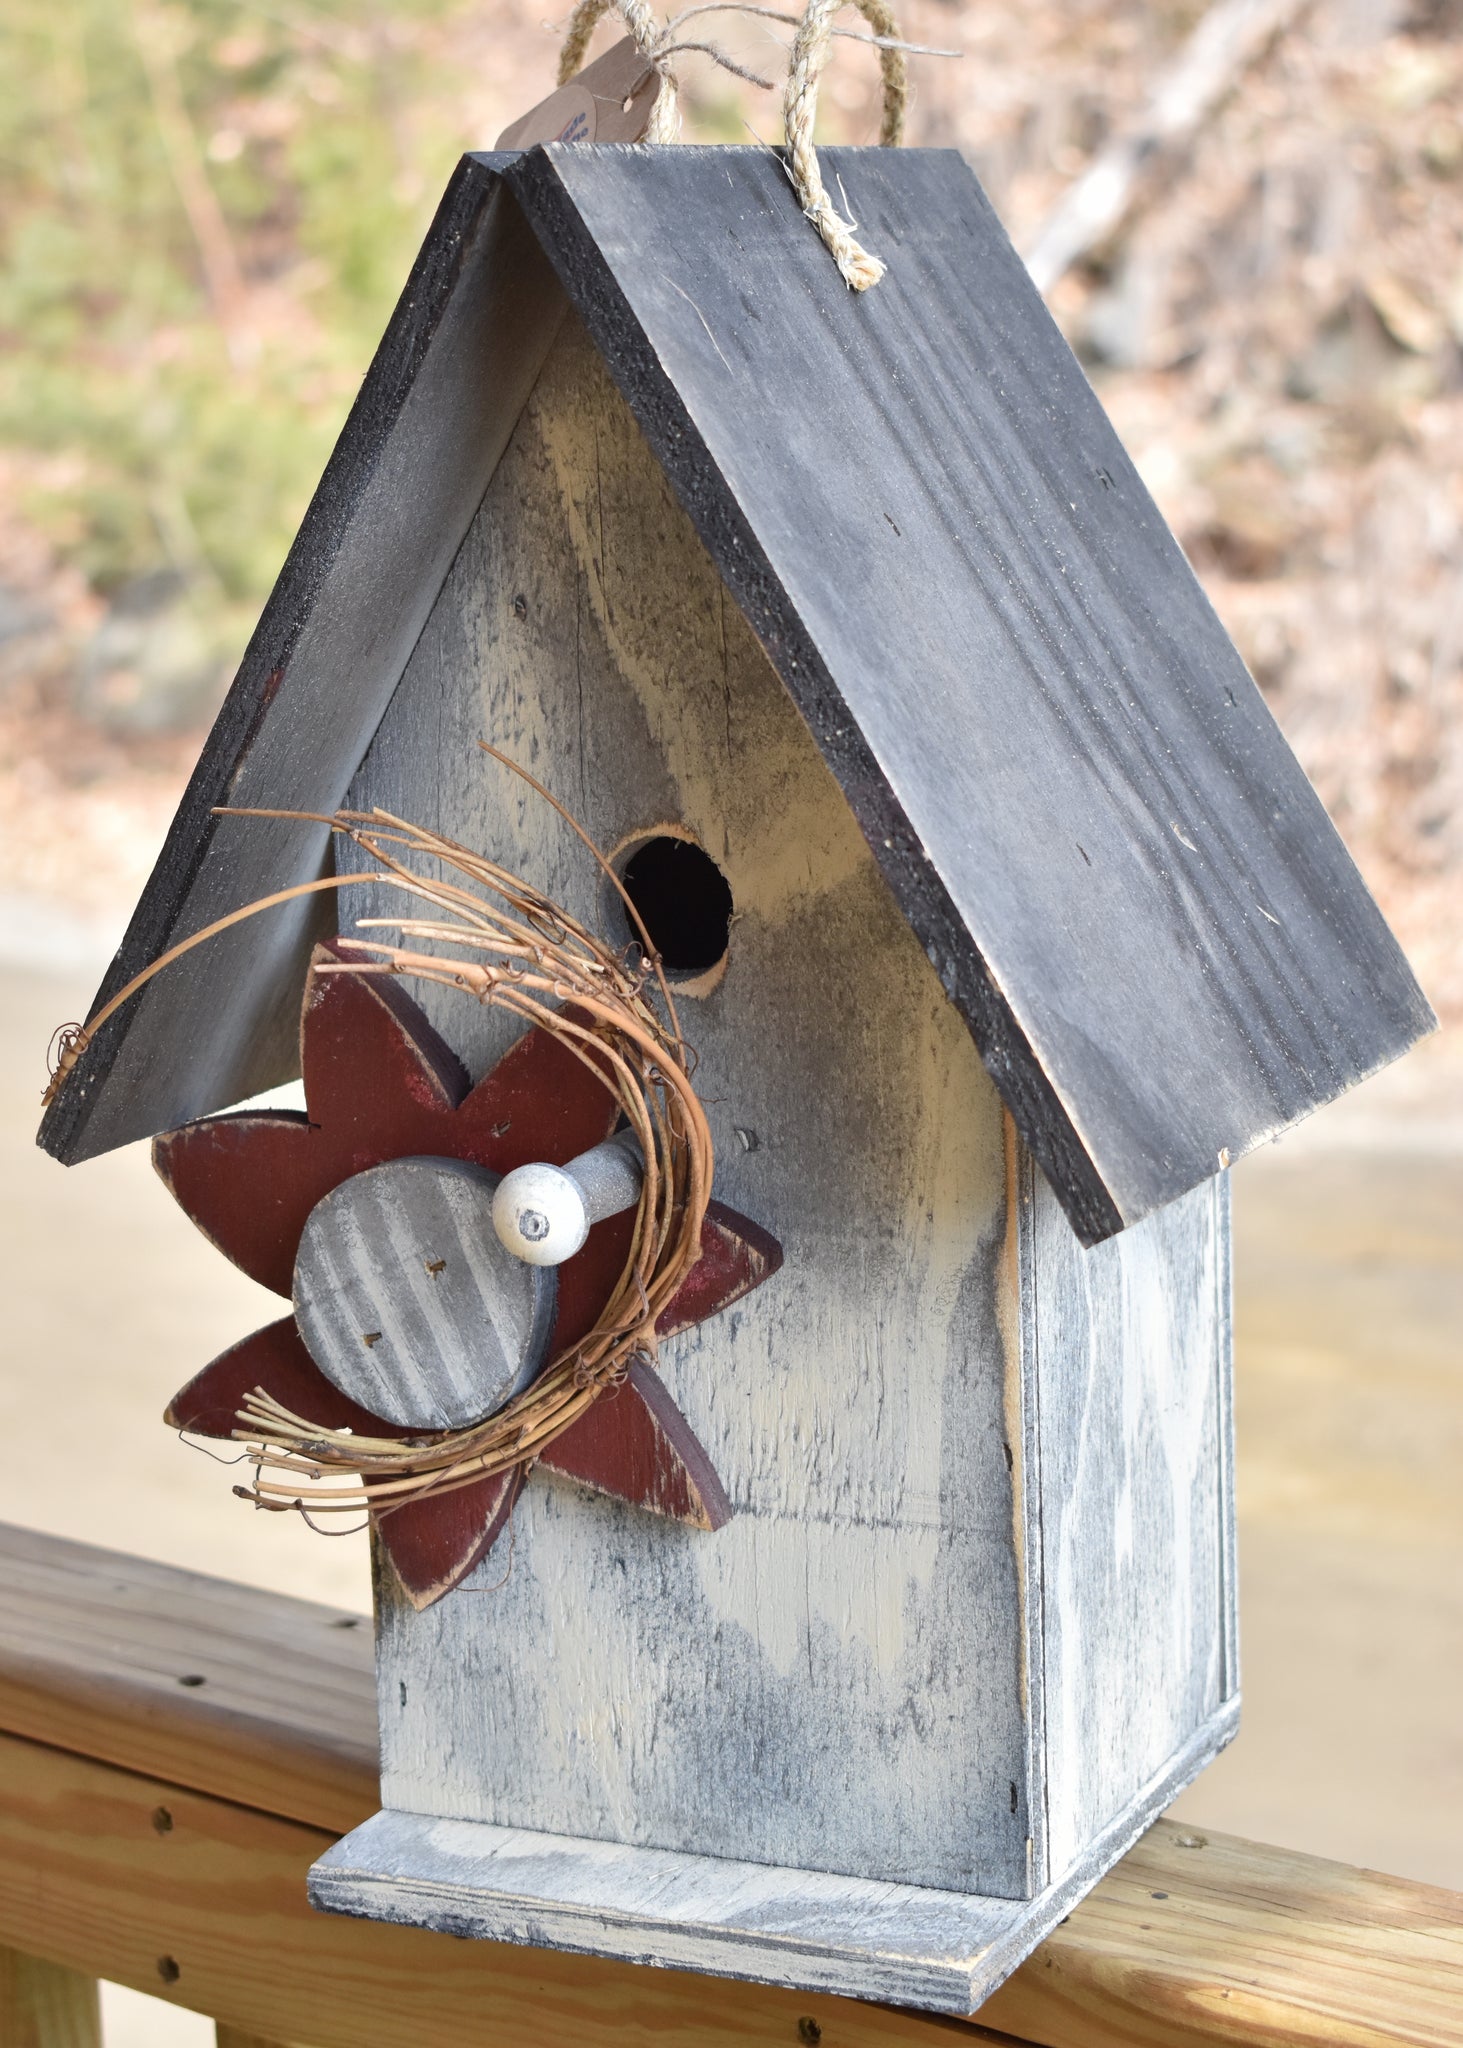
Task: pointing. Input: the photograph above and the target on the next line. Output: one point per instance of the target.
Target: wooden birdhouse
(1001, 920)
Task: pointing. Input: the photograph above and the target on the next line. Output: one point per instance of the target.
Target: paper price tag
(608, 101)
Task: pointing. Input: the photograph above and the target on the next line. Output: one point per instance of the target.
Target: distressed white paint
(853, 1676)
(835, 1679)
(944, 1951)
(1131, 1342)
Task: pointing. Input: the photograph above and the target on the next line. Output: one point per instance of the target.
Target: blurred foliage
(207, 208)
(185, 365)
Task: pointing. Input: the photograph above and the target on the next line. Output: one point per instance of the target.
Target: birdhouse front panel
(861, 1672)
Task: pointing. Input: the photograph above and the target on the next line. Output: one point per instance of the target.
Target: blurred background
(1248, 218)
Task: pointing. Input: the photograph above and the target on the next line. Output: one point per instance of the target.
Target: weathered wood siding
(1131, 1349)
(835, 1681)
(975, 1603)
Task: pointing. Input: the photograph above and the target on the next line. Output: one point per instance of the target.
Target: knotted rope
(810, 48)
(808, 55)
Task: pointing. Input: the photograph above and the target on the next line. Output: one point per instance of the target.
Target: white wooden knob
(540, 1215)
(543, 1214)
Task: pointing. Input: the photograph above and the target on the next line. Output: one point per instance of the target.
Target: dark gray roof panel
(1075, 788)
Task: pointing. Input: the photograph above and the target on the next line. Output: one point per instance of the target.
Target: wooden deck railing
(175, 1751)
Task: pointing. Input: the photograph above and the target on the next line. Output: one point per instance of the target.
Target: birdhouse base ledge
(804, 1930)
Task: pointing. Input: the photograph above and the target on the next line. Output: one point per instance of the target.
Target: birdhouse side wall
(840, 1679)
(1130, 1348)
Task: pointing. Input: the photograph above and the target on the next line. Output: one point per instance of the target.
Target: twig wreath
(540, 964)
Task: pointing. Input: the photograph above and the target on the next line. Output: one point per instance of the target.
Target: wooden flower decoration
(381, 1085)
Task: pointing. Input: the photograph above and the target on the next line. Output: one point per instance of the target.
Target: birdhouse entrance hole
(684, 902)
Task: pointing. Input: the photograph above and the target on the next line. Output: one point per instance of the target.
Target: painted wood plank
(409, 1304)
(512, 1763)
(1074, 788)
(418, 449)
(45, 2005)
(1133, 1366)
(940, 1951)
(1066, 675)
(836, 1678)
(1249, 1943)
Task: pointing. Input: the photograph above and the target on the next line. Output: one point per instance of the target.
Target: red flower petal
(736, 1256)
(540, 1101)
(380, 1084)
(587, 1281)
(635, 1444)
(433, 1544)
(248, 1181)
(378, 1078)
(274, 1358)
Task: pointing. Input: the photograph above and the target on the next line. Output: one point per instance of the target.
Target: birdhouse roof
(1071, 783)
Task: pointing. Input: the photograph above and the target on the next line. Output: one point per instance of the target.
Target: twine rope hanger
(810, 47)
(809, 53)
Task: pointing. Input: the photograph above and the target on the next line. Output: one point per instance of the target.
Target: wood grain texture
(910, 1945)
(408, 1303)
(94, 1647)
(232, 2037)
(1199, 1937)
(437, 405)
(835, 1680)
(1246, 1944)
(879, 1424)
(1249, 1946)
(45, 2005)
(85, 1878)
(1076, 792)
(1133, 1366)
